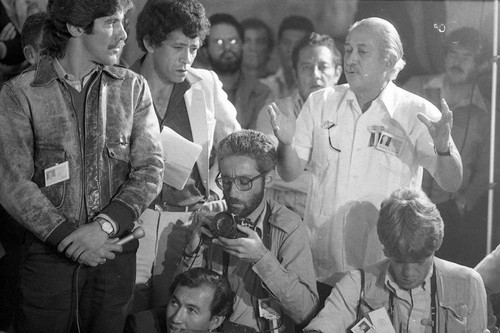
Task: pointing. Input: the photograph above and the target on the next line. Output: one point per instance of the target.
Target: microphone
(136, 234)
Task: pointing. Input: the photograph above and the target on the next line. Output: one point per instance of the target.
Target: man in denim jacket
(417, 291)
(80, 161)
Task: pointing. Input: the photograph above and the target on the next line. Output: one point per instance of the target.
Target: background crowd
(282, 76)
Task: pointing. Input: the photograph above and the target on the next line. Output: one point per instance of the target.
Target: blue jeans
(54, 289)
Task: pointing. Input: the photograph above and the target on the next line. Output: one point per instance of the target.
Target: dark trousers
(464, 239)
(11, 237)
(55, 290)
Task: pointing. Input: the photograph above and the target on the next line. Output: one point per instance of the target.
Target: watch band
(443, 153)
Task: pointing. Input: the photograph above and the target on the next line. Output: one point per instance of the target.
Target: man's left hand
(250, 249)
(440, 130)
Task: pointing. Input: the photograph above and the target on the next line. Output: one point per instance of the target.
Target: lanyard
(433, 321)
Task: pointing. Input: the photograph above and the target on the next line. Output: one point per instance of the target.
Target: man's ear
(74, 30)
(215, 322)
(148, 45)
(338, 73)
(269, 179)
(390, 61)
(30, 54)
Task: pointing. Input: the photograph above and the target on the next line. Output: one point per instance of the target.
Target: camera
(224, 224)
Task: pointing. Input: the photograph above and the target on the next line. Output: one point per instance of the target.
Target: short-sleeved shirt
(357, 160)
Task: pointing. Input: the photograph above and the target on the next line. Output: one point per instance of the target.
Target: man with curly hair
(190, 102)
(80, 161)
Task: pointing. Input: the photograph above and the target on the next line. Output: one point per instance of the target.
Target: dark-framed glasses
(243, 183)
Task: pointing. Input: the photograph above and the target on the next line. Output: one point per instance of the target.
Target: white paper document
(381, 321)
(179, 156)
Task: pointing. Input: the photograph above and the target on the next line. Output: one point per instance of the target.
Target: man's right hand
(89, 245)
(283, 124)
(200, 226)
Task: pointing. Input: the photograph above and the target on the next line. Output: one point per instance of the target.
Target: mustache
(232, 201)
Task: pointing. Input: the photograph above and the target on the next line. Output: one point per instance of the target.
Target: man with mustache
(224, 51)
(80, 159)
(270, 256)
(340, 135)
(191, 103)
(413, 290)
(466, 53)
(317, 64)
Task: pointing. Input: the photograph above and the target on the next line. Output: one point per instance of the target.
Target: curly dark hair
(158, 18)
(79, 13)
(252, 144)
(32, 28)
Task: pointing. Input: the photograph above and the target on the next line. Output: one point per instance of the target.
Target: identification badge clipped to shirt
(56, 174)
(363, 326)
(390, 143)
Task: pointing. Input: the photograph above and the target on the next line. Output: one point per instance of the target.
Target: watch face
(107, 227)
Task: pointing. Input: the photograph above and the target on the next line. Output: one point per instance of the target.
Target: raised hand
(440, 130)
(283, 124)
(8, 32)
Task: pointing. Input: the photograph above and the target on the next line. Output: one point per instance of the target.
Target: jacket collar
(46, 71)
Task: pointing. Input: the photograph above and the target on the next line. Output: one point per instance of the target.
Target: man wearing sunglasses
(273, 259)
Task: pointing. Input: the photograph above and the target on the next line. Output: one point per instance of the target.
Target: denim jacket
(116, 168)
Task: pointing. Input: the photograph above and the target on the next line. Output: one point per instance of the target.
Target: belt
(168, 208)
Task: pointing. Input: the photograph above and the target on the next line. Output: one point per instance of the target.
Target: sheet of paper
(180, 156)
(381, 321)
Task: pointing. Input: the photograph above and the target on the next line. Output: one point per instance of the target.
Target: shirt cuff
(266, 266)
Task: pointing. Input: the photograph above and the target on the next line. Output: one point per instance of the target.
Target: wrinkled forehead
(363, 34)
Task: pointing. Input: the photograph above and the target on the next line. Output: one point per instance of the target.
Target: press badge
(389, 143)
(363, 326)
(56, 174)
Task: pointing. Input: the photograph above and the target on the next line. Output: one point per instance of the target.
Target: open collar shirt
(351, 176)
(461, 301)
(285, 273)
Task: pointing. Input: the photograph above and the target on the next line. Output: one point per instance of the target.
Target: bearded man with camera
(259, 245)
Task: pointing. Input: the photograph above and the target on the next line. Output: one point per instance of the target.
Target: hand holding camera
(248, 248)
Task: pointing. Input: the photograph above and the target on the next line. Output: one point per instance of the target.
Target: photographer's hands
(199, 227)
(250, 249)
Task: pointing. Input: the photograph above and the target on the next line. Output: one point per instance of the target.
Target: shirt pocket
(455, 317)
(46, 157)
(326, 147)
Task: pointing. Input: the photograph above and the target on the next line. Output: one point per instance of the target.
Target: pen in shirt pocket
(328, 124)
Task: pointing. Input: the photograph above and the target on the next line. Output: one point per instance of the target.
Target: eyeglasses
(229, 42)
(242, 183)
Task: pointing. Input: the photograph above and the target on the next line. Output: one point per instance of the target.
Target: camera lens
(225, 225)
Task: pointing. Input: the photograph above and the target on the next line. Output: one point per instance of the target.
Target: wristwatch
(444, 153)
(106, 226)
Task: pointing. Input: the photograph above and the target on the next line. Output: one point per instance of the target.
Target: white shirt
(348, 186)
